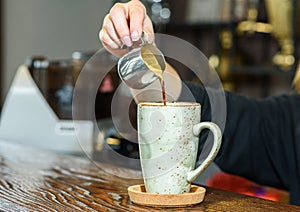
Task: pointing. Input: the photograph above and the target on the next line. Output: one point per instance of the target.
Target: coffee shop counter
(37, 180)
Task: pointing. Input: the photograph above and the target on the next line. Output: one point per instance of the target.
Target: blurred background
(252, 44)
(51, 28)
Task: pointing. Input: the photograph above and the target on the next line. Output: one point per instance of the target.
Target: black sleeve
(259, 139)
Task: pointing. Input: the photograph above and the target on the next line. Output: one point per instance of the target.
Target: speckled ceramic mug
(168, 144)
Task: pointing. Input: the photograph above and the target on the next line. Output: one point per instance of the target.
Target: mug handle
(192, 175)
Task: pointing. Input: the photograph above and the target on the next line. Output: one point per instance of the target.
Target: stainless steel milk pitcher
(141, 66)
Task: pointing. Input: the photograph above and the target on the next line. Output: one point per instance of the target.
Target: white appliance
(27, 118)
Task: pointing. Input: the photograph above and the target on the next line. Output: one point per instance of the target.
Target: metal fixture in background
(280, 15)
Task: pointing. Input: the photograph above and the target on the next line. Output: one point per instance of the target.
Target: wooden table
(36, 180)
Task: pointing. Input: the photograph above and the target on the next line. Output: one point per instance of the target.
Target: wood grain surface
(36, 180)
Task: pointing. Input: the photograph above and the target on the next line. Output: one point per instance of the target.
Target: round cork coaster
(138, 195)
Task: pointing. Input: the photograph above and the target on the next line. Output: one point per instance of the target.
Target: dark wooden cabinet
(251, 55)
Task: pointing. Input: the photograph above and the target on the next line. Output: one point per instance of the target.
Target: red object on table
(243, 186)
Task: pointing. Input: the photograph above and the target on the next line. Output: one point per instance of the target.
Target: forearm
(257, 139)
(253, 137)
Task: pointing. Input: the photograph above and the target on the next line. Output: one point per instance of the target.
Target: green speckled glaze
(168, 142)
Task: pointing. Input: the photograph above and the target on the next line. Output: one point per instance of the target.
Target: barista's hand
(124, 25)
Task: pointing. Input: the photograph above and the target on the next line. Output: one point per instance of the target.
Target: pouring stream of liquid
(155, 62)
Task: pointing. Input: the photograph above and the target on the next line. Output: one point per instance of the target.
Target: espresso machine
(38, 107)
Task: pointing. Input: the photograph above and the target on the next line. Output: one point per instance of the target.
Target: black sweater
(261, 138)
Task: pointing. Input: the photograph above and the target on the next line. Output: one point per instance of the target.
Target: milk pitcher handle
(192, 175)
